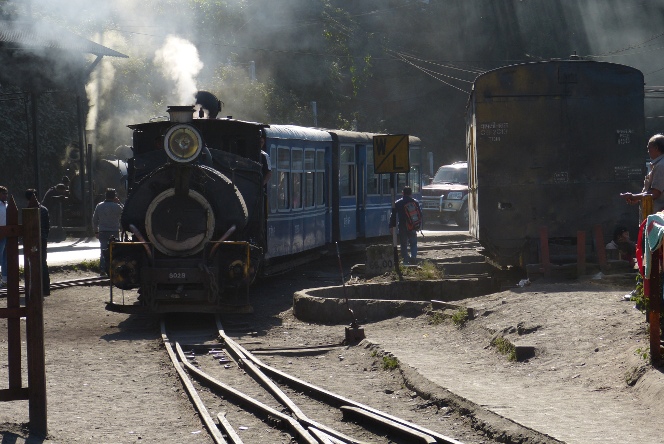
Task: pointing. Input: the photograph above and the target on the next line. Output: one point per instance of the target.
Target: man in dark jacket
(406, 236)
(33, 202)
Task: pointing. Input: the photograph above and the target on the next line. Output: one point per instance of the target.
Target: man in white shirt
(654, 181)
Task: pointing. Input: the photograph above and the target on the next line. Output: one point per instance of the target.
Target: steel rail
(283, 398)
(332, 398)
(81, 282)
(228, 428)
(246, 400)
(191, 390)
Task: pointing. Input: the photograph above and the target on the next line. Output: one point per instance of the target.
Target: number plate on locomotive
(177, 275)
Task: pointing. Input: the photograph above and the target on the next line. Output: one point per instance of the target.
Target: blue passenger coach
(323, 188)
(362, 200)
(298, 192)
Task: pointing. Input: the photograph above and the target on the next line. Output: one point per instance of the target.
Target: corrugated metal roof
(26, 34)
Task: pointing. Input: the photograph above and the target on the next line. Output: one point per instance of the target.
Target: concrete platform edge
(491, 423)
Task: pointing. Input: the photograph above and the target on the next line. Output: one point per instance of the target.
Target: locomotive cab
(194, 217)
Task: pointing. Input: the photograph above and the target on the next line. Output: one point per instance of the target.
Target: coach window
(320, 177)
(347, 171)
(414, 174)
(283, 171)
(308, 185)
(385, 184)
(402, 181)
(296, 171)
(372, 178)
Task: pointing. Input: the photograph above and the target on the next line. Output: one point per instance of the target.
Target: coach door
(377, 202)
(361, 209)
(347, 192)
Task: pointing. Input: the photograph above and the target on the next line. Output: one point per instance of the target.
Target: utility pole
(314, 110)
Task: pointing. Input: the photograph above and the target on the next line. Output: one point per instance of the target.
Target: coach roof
(297, 132)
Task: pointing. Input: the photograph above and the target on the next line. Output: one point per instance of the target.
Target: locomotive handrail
(222, 239)
(140, 237)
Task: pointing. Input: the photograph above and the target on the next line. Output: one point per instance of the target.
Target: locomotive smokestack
(181, 114)
(209, 102)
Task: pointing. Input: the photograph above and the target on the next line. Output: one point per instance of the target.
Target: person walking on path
(654, 180)
(33, 202)
(106, 223)
(3, 242)
(409, 214)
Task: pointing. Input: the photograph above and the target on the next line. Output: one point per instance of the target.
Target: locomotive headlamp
(183, 143)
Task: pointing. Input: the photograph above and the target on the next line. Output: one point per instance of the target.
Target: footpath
(586, 383)
(72, 250)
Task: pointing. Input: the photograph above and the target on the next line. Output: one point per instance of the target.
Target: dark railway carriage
(552, 144)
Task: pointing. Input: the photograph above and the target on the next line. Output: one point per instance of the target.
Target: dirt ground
(108, 379)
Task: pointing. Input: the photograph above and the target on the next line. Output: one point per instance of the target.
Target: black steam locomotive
(195, 210)
(201, 223)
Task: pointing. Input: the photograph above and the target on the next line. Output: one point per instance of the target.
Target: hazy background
(393, 66)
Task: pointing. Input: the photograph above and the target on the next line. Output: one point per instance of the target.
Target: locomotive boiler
(194, 216)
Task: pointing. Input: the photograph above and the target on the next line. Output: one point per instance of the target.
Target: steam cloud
(611, 30)
(178, 60)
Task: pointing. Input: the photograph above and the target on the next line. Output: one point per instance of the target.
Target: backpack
(413, 215)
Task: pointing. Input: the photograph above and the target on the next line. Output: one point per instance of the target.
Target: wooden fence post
(35, 320)
(13, 302)
(580, 253)
(600, 247)
(655, 298)
(652, 288)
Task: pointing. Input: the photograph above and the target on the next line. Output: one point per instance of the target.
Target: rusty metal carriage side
(552, 144)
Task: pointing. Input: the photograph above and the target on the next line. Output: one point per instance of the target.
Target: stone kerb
(379, 301)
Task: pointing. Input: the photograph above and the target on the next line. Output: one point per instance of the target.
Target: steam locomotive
(552, 144)
(200, 225)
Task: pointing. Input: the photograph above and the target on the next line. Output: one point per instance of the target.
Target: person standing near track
(106, 223)
(409, 215)
(654, 181)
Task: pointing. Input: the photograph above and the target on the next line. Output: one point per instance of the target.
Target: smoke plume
(178, 60)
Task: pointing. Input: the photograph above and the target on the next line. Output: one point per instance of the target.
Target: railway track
(248, 395)
(81, 282)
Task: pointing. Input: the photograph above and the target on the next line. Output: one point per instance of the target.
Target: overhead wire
(430, 73)
(441, 74)
(473, 71)
(630, 47)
